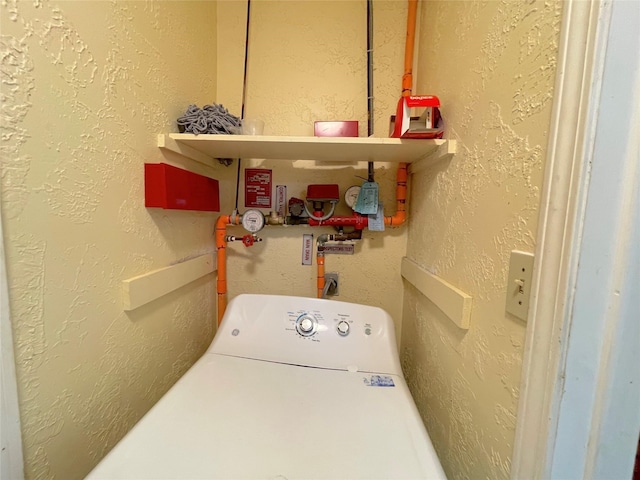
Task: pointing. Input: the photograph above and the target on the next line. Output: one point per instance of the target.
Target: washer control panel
(316, 325)
(308, 332)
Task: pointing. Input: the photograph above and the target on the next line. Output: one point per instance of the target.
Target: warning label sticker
(257, 188)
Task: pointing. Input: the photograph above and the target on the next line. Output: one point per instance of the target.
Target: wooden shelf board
(325, 149)
(140, 290)
(453, 302)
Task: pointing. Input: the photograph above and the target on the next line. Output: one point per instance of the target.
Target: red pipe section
(221, 248)
(357, 221)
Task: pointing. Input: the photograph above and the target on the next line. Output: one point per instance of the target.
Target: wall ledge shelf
(140, 290)
(453, 302)
(206, 148)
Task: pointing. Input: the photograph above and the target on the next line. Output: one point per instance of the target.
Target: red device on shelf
(427, 125)
(169, 187)
(347, 128)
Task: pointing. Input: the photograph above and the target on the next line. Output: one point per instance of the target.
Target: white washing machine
(290, 388)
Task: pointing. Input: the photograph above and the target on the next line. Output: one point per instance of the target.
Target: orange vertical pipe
(320, 260)
(401, 198)
(221, 248)
(407, 77)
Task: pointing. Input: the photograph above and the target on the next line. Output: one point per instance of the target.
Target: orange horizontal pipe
(407, 77)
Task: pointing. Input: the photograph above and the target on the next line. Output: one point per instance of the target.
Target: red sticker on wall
(257, 188)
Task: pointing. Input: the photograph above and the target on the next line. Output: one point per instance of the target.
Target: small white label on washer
(379, 381)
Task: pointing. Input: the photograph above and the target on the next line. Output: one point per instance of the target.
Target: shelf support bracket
(443, 152)
(167, 143)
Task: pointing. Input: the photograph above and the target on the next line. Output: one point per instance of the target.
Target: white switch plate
(519, 283)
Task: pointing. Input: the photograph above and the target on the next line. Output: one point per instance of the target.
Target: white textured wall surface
(307, 62)
(493, 65)
(85, 88)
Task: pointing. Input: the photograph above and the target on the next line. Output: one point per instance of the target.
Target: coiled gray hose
(209, 119)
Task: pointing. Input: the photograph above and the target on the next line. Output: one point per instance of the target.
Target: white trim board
(565, 415)
(11, 456)
(598, 418)
(452, 301)
(556, 261)
(140, 290)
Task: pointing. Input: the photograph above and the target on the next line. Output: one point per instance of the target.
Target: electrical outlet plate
(333, 276)
(519, 284)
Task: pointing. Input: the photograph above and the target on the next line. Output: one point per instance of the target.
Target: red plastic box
(347, 128)
(169, 187)
(427, 125)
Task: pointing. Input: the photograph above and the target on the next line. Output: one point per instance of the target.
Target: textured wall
(86, 86)
(493, 66)
(307, 62)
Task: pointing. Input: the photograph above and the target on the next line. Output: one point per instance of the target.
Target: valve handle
(248, 240)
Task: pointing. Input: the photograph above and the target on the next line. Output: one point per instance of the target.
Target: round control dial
(343, 328)
(306, 325)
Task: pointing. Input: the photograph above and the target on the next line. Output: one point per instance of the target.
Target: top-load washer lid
(309, 332)
(281, 411)
(235, 418)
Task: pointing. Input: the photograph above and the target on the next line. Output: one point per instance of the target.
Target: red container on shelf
(169, 187)
(347, 128)
(428, 124)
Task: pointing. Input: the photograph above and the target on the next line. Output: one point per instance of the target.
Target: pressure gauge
(351, 195)
(253, 221)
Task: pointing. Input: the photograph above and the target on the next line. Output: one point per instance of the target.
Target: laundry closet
(93, 93)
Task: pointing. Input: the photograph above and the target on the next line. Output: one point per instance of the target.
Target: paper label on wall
(307, 249)
(281, 200)
(339, 248)
(376, 222)
(257, 188)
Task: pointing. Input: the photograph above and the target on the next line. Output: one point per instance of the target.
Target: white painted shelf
(206, 148)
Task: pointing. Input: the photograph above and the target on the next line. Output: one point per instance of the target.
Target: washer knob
(343, 328)
(306, 325)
